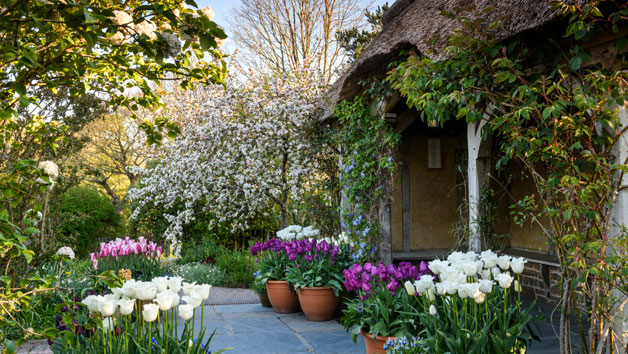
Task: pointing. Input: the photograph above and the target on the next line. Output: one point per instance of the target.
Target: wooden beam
(421, 255)
(406, 229)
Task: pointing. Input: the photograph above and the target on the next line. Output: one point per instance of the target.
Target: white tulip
(186, 312)
(505, 280)
(469, 268)
(503, 262)
(188, 287)
(485, 274)
(128, 288)
(118, 292)
(486, 286)
(174, 283)
(145, 291)
(479, 298)
(433, 310)
(409, 288)
(126, 306)
(107, 324)
(517, 265)
(424, 283)
(437, 266)
(150, 312)
(517, 286)
(201, 291)
(489, 258)
(161, 283)
(92, 302)
(193, 300)
(430, 294)
(496, 272)
(107, 307)
(164, 300)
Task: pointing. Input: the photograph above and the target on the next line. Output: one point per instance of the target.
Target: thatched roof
(416, 23)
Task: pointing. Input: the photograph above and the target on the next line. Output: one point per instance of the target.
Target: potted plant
(381, 311)
(317, 275)
(259, 287)
(272, 263)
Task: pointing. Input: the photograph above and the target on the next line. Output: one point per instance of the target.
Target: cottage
(447, 172)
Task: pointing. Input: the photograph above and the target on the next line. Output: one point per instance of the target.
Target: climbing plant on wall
(368, 145)
(558, 121)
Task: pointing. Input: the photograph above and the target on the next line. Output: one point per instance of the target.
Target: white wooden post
(474, 144)
(620, 217)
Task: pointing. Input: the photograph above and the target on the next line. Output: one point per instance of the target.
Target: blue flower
(256, 274)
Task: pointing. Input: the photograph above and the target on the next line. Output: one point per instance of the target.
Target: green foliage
(200, 273)
(463, 326)
(150, 220)
(368, 144)
(382, 314)
(558, 122)
(355, 40)
(238, 267)
(87, 217)
(84, 46)
(158, 342)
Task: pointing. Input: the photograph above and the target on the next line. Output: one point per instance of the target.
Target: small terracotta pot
(280, 296)
(318, 303)
(263, 299)
(375, 346)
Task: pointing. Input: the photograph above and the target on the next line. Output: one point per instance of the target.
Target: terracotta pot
(263, 299)
(375, 346)
(318, 303)
(280, 296)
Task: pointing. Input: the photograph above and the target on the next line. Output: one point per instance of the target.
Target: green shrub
(87, 217)
(205, 250)
(238, 267)
(201, 273)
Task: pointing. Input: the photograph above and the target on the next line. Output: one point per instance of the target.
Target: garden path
(251, 328)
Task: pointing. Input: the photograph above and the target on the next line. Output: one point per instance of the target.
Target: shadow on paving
(255, 329)
(548, 320)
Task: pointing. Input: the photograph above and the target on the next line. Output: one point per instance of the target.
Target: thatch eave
(421, 24)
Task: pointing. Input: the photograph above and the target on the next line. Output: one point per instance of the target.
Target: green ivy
(368, 145)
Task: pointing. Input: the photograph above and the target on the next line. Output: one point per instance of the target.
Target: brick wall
(542, 281)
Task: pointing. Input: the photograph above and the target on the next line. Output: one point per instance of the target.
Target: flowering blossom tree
(247, 151)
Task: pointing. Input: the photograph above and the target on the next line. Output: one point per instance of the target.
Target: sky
(223, 8)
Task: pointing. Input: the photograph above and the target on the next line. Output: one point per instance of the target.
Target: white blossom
(65, 251)
(245, 149)
(50, 168)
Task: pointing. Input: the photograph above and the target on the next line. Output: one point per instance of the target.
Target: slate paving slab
(251, 328)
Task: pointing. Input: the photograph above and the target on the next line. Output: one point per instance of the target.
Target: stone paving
(255, 329)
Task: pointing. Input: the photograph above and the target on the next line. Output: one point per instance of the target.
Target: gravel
(231, 296)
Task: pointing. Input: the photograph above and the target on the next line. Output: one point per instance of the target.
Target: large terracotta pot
(279, 294)
(318, 303)
(375, 346)
(264, 300)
